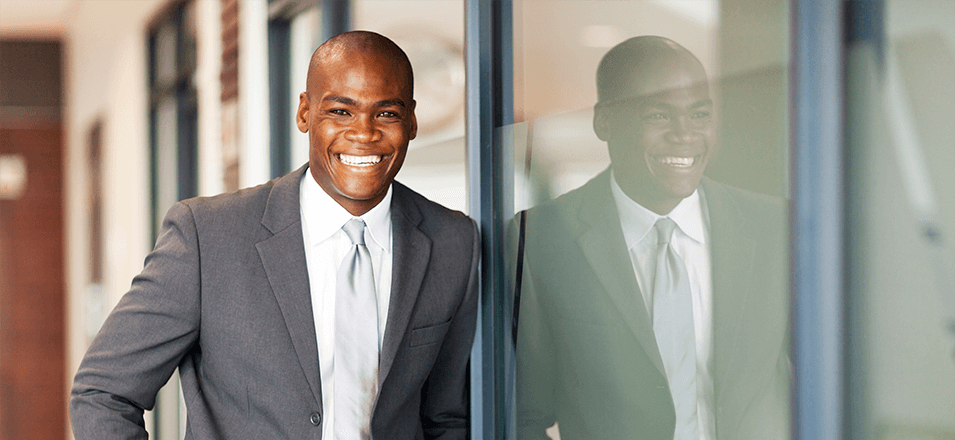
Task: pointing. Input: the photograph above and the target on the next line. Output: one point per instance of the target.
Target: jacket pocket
(428, 335)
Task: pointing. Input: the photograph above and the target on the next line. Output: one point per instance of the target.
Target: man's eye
(338, 112)
(656, 117)
(388, 114)
(701, 115)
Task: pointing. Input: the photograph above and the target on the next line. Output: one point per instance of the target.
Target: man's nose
(363, 130)
(682, 131)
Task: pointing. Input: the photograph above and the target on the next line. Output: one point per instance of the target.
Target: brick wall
(230, 94)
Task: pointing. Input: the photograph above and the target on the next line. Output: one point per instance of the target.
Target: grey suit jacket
(587, 355)
(224, 297)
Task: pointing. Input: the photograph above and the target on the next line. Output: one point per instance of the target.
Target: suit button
(315, 418)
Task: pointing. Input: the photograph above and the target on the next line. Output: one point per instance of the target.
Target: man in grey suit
(239, 293)
(596, 348)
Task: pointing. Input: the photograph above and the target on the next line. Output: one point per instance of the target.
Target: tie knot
(664, 228)
(355, 230)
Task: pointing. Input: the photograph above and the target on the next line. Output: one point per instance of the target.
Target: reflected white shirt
(325, 247)
(691, 242)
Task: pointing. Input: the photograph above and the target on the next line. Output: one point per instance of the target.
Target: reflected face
(359, 114)
(662, 136)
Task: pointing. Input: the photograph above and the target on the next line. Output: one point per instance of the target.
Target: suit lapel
(412, 251)
(283, 256)
(602, 243)
(732, 252)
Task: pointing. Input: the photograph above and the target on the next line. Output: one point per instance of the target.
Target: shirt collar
(637, 221)
(323, 216)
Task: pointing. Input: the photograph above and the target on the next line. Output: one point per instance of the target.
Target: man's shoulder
(246, 208)
(246, 202)
(564, 210)
(750, 203)
(238, 200)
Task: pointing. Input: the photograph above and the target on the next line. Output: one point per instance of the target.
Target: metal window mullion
(489, 106)
(817, 219)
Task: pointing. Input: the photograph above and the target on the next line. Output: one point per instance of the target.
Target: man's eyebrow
(390, 103)
(667, 106)
(351, 102)
(340, 99)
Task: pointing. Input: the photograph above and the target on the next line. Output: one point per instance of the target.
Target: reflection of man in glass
(633, 329)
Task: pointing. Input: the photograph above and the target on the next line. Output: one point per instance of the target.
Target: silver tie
(356, 339)
(673, 327)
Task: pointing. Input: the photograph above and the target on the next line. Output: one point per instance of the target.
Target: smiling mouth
(359, 161)
(676, 161)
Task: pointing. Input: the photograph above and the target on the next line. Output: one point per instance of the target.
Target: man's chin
(680, 190)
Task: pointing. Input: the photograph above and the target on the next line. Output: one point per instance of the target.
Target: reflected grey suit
(225, 297)
(587, 355)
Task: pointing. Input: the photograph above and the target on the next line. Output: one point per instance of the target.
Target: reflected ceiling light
(601, 36)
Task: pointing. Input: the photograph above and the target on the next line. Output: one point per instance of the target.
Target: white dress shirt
(690, 242)
(325, 247)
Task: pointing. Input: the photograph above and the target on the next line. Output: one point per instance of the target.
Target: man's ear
(301, 116)
(602, 122)
(414, 121)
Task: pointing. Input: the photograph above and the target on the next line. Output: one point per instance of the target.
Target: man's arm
(536, 366)
(444, 401)
(143, 339)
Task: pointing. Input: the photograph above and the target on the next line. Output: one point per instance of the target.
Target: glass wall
(626, 113)
(901, 100)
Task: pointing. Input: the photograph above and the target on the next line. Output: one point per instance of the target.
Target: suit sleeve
(534, 352)
(536, 374)
(143, 340)
(444, 399)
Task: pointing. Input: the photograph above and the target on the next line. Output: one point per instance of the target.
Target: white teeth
(682, 162)
(359, 160)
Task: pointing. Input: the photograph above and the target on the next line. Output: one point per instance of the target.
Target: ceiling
(34, 18)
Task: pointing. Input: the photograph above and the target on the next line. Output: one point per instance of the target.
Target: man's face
(662, 137)
(359, 114)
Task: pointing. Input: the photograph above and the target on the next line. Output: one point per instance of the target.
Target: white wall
(105, 77)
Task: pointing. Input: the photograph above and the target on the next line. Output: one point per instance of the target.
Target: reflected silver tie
(673, 327)
(356, 339)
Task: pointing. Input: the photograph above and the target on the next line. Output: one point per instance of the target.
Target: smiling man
(330, 303)
(654, 299)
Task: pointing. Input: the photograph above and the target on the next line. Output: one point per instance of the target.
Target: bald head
(343, 47)
(645, 65)
(358, 110)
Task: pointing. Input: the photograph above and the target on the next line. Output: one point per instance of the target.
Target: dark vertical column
(336, 17)
(864, 72)
(816, 91)
(489, 107)
(280, 112)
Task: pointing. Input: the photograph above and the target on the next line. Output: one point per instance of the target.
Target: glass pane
(903, 96)
(435, 164)
(305, 34)
(164, 54)
(166, 156)
(624, 331)
(187, 41)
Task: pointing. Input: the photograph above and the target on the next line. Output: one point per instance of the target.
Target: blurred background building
(111, 110)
